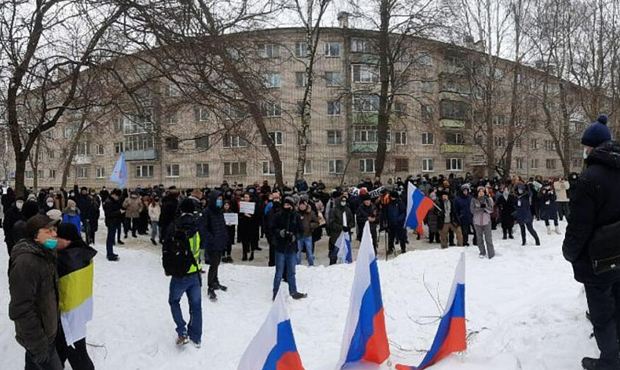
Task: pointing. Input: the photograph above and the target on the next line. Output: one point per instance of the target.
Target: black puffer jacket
(215, 225)
(595, 202)
(112, 209)
(286, 226)
(34, 297)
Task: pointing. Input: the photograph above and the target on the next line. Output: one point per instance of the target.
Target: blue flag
(119, 173)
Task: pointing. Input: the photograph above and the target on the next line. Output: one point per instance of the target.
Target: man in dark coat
(169, 206)
(12, 215)
(367, 211)
(87, 210)
(272, 208)
(595, 202)
(113, 209)
(395, 214)
(340, 219)
(286, 226)
(462, 204)
(506, 203)
(216, 236)
(32, 285)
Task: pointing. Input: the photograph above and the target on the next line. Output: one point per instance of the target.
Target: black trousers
(401, 235)
(530, 228)
(77, 355)
(604, 307)
(52, 362)
(214, 263)
(466, 230)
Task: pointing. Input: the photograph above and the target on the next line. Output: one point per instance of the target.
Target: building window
(454, 164)
(171, 118)
(272, 109)
(40, 174)
(518, 143)
(400, 108)
(333, 108)
(51, 154)
(172, 170)
(519, 163)
(427, 112)
(367, 165)
(500, 120)
(172, 90)
(424, 59)
(550, 164)
(202, 170)
(52, 174)
(400, 138)
(268, 51)
(234, 141)
(334, 137)
(83, 148)
(100, 172)
(29, 174)
(360, 46)
(81, 172)
(268, 168)
(427, 138)
(69, 131)
(139, 142)
(235, 168)
(366, 103)
(336, 166)
(307, 167)
(100, 150)
(273, 80)
(333, 79)
(500, 141)
(202, 142)
(172, 143)
(301, 79)
(364, 73)
(332, 49)
(427, 165)
(454, 138)
(276, 137)
(202, 114)
(534, 163)
(451, 109)
(301, 49)
(427, 86)
(401, 164)
(549, 145)
(144, 171)
(534, 144)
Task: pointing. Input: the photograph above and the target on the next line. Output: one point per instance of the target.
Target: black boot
(251, 256)
(245, 256)
(212, 295)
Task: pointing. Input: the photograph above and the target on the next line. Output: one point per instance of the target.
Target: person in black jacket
(594, 203)
(11, 216)
(87, 211)
(113, 209)
(286, 226)
(169, 206)
(505, 203)
(216, 240)
(367, 211)
(448, 221)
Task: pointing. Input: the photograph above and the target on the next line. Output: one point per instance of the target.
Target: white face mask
(50, 204)
(19, 204)
(585, 153)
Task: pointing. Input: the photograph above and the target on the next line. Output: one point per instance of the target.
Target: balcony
(141, 155)
(80, 159)
(455, 149)
(365, 118)
(451, 123)
(366, 147)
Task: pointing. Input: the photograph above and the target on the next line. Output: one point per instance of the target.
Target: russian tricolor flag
(273, 347)
(418, 206)
(365, 338)
(451, 335)
(344, 247)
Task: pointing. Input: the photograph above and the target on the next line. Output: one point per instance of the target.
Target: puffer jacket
(522, 213)
(309, 222)
(154, 212)
(481, 215)
(462, 207)
(215, 231)
(33, 285)
(133, 206)
(286, 222)
(561, 190)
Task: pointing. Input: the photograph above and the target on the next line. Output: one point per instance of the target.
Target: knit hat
(37, 222)
(187, 206)
(67, 231)
(54, 214)
(365, 196)
(597, 133)
(290, 200)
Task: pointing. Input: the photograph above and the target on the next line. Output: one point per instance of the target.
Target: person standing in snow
(505, 203)
(113, 220)
(462, 207)
(340, 219)
(154, 214)
(523, 214)
(592, 238)
(217, 240)
(549, 208)
(481, 209)
(561, 190)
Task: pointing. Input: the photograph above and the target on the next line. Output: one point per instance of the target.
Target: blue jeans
(154, 229)
(112, 230)
(189, 284)
(305, 242)
(290, 261)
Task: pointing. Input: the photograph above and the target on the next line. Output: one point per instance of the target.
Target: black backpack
(177, 257)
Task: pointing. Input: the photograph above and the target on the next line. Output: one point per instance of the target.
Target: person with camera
(286, 226)
(591, 240)
(482, 208)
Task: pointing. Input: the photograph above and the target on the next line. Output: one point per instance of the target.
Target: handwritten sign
(231, 218)
(246, 207)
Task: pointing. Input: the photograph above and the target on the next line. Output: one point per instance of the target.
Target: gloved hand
(346, 229)
(41, 357)
(282, 233)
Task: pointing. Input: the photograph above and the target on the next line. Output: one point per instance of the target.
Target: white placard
(246, 207)
(231, 218)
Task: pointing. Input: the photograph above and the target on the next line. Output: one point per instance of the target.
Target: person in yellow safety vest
(189, 284)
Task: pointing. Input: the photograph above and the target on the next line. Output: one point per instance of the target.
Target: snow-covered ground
(524, 311)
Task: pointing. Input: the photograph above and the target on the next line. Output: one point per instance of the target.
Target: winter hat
(480, 188)
(37, 222)
(54, 214)
(67, 231)
(365, 196)
(290, 200)
(187, 206)
(30, 209)
(597, 133)
(32, 197)
(71, 204)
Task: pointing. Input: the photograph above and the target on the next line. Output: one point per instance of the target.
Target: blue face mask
(219, 203)
(50, 244)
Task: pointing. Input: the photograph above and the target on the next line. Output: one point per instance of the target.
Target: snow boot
(251, 256)
(221, 287)
(298, 295)
(482, 255)
(245, 256)
(196, 344)
(182, 340)
(153, 241)
(121, 242)
(589, 363)
(212, 295)
(548, 230)
(557, 230)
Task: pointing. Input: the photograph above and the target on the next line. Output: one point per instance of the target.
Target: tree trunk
(20, 169)
(517, 9)
(488, 119)
(383, 123)
(35, 165)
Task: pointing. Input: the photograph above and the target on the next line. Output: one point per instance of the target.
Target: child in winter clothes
(71, 214)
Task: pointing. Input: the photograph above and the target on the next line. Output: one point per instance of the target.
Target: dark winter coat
(506, 208)
(395, 214)
(11, 217)
(85, 205)
(595, 202)
(112, 210)
(169, 206)
(248, 226)
(548, 204)
(462, 207)
(442, 212)
(289, 222)
(216, 233)
(361, 216)
(522, 213)
(34, 296)
(309, 222)
(336, 220)
(432, 220)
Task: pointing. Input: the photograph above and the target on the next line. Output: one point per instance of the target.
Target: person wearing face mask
(523, 214)
(33, 306)
(505, 203)
(71, 215)
(549, 208)
(248, 230)
(113, 209)
(286, 227)
(216, 236)
(340, 219)
(395, 214)
(12, 216)
(75, 276)
(49, 204)
(432, 220)
(367, 211)
(271, 210)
